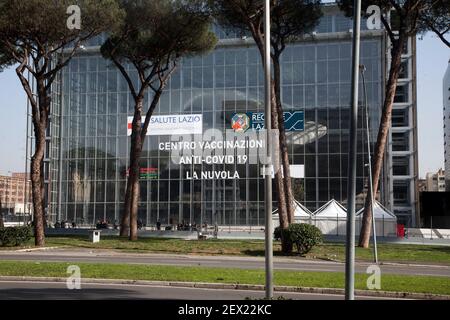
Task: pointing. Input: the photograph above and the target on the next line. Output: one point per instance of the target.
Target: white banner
(297, 171)
(172, 125)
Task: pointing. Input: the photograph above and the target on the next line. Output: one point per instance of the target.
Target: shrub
(14, 236)
(303, 236)
(277, 233)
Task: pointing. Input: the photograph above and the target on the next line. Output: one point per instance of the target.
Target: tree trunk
(284, 152)
(37, 183)
(383, 132)
(40, 123)
(125, 222)
(40, 107)
(279, 184)
(134, 206)
(36, 190)
(2, 224)
(129, 219)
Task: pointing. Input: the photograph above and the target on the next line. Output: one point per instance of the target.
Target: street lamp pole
(268, 170)
(369, 153)
(25, 195)
(351, 182)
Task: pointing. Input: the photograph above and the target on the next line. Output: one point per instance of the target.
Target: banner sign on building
(241, 122)
(149, 173)
(172, 125)
(297, 171)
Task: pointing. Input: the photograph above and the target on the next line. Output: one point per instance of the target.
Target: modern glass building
(88, 142)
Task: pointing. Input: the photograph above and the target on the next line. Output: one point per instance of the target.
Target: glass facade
(92, 145)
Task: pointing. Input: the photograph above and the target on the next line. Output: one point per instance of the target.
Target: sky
(432, 61)
(13, 116)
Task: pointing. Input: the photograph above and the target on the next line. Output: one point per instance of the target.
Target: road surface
(291, 264)
(26, 290)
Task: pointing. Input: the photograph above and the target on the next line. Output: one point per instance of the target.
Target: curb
(218, 286)
(36, 249)
(438, 266)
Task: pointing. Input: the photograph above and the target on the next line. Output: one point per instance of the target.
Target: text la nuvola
(208, 175)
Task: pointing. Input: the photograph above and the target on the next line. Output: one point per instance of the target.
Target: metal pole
(369, 152)
(351, 190)
(60, 153)
(431, 227)
(268, 171)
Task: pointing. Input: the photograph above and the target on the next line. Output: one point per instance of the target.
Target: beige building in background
(435, 182)
(13, 195)
(422, 185)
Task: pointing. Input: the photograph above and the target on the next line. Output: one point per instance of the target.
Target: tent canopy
(300, 211)
(331, 209)
(379, 212)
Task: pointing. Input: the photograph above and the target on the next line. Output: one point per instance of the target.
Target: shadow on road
(64, 294)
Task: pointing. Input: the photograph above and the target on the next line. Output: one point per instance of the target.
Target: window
(401, 193)
(401, 95)
(400, 141)
(343, 24)
(405, 47)
(404, 70)
(325, 25)
(400, 166)
(400, 117)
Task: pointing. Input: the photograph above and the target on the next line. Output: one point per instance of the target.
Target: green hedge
(15, 236)
(277, 233)
(303, 236)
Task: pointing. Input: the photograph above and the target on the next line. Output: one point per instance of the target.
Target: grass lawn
(334, 251)
(420, 284)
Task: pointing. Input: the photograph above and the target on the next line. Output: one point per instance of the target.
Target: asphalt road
(58, 291)
(102, 256)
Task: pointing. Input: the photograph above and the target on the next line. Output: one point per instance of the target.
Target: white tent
(385, 221)
(379, 212)
(301, 214)
(331, 209)
(331, 218)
